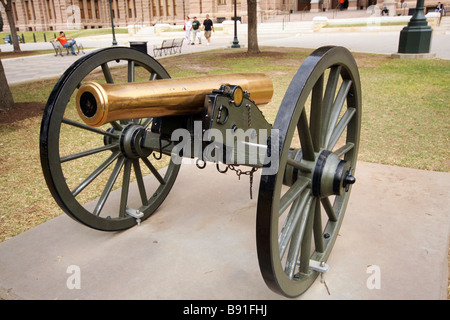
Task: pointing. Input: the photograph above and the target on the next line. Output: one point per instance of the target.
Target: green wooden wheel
(301, 207)
(82, 164)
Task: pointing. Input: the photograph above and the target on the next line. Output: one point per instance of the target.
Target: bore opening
(88, 104)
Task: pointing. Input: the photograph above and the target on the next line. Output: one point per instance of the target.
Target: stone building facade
(36, 15)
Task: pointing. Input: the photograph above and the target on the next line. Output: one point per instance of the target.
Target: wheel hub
(131, 142)
(331, 175)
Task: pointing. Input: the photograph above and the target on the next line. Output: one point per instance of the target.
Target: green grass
(406, 112)
(405, 120)
(50, 35)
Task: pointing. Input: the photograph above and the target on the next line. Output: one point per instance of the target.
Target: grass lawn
(405, 120)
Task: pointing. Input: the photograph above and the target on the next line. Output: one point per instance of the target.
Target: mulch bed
(21, 111)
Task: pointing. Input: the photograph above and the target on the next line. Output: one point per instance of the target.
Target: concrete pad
(200, 244)
(413, 55)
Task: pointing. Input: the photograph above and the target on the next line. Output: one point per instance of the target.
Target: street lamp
(416, 36)
(114, 43)
(235, 41)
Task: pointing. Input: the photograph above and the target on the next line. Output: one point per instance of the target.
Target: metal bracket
(135, 214)
(319, 266)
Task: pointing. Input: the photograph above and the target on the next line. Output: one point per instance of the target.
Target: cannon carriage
(100, 132)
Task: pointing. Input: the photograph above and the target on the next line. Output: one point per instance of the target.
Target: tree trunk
(7, 4)
(252, 27)
(6, 98)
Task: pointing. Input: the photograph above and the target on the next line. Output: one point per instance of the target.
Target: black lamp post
(416, 36)
(235, 41)
(114, 43)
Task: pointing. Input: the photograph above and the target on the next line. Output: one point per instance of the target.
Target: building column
(352, 5)
(315, 6)
(392, 7)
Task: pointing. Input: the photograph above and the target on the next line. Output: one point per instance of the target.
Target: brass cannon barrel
(99, 103)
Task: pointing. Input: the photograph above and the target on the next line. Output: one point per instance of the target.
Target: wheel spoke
(343, 123)
(316, 113)
(337, 108)
(305, 253)
(88, 152)
(298, 237)
(328, 98)
(86, 127)
(153, 76)
(344, 149)
(305, 137)
(95, 173)
(125, 188)
(318, 233)
(293, 193)
(116, 125)
(131, 71)
(147, 122)
(154, 171)
(329, 209)
(107, 73)
(299, 165)
(297, 216)
(140, 182)
(109, 185)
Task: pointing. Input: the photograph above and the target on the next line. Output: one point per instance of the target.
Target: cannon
(104, 129)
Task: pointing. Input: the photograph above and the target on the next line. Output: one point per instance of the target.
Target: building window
(168, 7)
(117, 8)
(222, 2)
(81, 5)
(131, 9)
(50, 15)
(155, 13)
(15, 11)
(27, 7)
(97, 11)
(32, 8)
(89, 8)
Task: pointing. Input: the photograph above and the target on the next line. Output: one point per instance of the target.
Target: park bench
(59, 48)
(177, 44)
(168, 47)
(8, 39)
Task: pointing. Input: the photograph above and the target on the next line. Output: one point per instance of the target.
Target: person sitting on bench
(66, 42)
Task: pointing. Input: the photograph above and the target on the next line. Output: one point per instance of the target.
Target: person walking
(187, 28)
(208, 26)
(195, 28)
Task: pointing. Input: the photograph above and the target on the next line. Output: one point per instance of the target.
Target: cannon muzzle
(100, 103)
